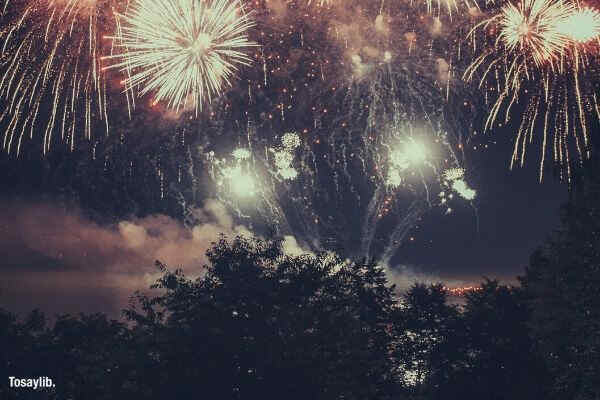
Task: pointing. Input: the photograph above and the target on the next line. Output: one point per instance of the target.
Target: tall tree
(261, 324)
(428, 345)
(500, 361)
(563, 286)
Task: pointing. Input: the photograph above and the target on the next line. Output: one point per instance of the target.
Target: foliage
(262, 324)
(562, 283)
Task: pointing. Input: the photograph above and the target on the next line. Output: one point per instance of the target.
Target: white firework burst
(183, 51)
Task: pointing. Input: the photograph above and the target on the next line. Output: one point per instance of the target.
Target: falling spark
(50, 72)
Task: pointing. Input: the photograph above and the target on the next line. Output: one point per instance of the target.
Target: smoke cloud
(59, 260)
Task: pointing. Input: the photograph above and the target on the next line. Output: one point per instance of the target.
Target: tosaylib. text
(41, 382)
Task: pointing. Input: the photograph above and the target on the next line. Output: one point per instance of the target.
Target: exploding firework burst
(183, 51)
(531, 57)
(582, 25)
(284, 156)
(532, 27)
(50, 69)
(454, 180)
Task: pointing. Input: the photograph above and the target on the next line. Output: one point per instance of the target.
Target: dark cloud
(59, 260)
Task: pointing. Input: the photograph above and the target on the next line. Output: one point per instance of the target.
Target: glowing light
(454, 179)
(394, 179)
(461, 291)
(241, 154)
(290, 140)
(461, 187)
(582, 25)
(184, 51)
(412, 153)
(241, 184)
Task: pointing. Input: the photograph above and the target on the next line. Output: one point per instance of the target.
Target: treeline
(263, 325)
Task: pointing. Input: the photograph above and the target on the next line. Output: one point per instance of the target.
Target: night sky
(81, 226)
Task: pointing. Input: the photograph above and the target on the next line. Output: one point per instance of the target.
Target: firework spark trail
(183, 51)
(50, 69)
(403, 227)
(369, 224)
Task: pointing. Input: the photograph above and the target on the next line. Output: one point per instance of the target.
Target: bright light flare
(241, 184)
(394, 179)
(582, 26)
(412, 153)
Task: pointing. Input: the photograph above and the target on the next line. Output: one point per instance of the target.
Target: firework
(582, 25)
(241, 183)
(241, 154)
(236, 177)
(461, 187)
(449, 6)
(533, 27)
(284, 156)
(454, 180)
(183, 51)
(412, 153)
(452, 174)
(531, 58)
(50, 69)
(361, 162)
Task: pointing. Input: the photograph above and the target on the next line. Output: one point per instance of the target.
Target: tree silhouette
(500, 358)
(260, 324)
(427, 332)
(562, 282)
